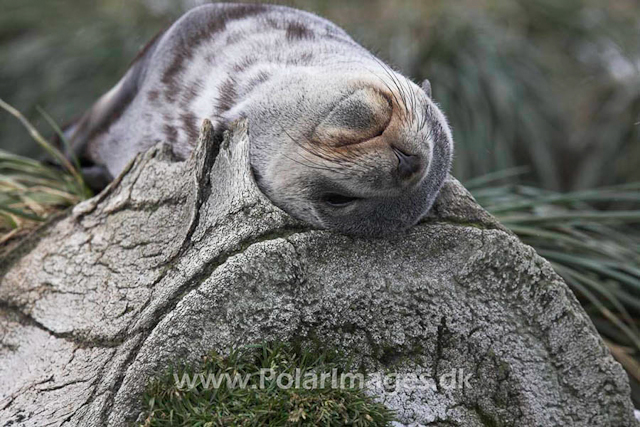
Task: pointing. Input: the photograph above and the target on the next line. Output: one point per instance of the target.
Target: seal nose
(408, 164)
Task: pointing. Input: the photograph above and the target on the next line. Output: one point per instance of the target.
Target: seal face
(337, 138)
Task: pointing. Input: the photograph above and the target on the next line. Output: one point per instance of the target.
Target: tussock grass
(30, 190)
(530, 82)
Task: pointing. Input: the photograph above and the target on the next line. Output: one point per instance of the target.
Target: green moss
(262, 401)
(486, 419)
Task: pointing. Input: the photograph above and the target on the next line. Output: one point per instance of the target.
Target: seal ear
(426, 87)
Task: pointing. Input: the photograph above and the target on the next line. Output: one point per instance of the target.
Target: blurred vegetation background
(552, 85)
(543, 97)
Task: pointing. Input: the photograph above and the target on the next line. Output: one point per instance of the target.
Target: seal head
(367, 157)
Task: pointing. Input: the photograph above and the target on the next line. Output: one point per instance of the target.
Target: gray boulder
(175, 259)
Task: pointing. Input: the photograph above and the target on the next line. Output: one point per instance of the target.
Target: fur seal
(337, 138)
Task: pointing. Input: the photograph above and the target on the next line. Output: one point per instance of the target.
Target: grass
(30, 190)
(261, 402)
(540, 83)
(590, 237)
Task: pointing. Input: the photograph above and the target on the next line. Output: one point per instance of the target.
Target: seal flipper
(97, 177)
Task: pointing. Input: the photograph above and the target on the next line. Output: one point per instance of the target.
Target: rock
(175, 259)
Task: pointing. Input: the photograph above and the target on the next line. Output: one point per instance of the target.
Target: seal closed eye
(337, 138)
(360, 116)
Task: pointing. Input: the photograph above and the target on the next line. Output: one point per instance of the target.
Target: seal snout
(409, 165)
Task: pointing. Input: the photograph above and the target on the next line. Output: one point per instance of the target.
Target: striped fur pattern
(337, 138)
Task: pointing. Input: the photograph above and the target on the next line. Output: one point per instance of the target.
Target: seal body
(337, 137)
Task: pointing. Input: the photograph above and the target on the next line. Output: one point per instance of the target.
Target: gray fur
(325, 115)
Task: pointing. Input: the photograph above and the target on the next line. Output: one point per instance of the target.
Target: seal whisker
(397, 84)
(306, 147)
